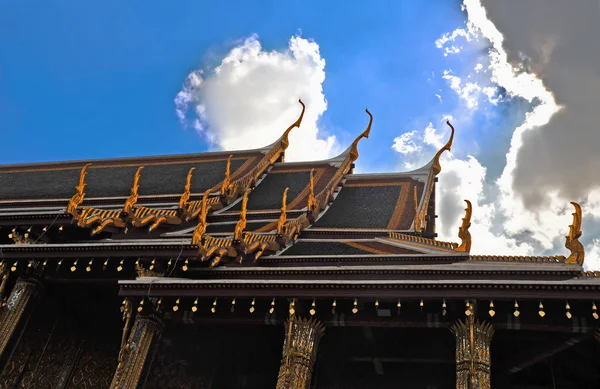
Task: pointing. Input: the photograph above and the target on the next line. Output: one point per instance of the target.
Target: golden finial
(365, 134)
(227, 181)
(200, 229)
(463, 230)
(417, 222)
(79, 195)
(437, 168)
(241, 224)
(284, 138)
(283, 216)
(572, 242)
(133, 197)
(312, 200)
(185, 197)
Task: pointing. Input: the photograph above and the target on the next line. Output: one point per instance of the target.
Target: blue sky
(81, 80)
(97, 79)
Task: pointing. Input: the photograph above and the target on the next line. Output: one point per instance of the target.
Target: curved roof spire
(572, 240)
(365, 134)
(284, 138)
(437, 168)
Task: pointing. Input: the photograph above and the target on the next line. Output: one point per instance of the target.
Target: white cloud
(431, 137)
(521, 230)
(404, 144)
(251, 98)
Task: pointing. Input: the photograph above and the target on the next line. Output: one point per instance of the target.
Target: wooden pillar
(473, 340)
(15, 313)
(299, 352)
(137, 349)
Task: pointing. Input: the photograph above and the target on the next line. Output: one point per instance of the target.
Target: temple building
(240, 270)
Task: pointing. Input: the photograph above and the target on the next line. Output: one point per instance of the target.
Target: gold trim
(365, 134)
(437, 168)
(360, 246)
(283, 215)
(394, 222)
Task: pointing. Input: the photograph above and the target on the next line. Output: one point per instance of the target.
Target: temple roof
(238, 207)
(162, 175)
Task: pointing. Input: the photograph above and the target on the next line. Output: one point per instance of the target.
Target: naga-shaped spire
(463, 230)
(283, 216)
(200, 229)
(417, 222)
(241, 224)
(365, 134)
(312, 200)
(227, 179)
(79, 195)
(185, 197)
(284, 138)
(133, 197)
(437, 168)
(572, 242)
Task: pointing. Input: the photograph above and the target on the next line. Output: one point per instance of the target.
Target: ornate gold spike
(365, 134)
(227, 180)
(201, 227)
(572, 242)
(241, 224)
(437, 168)
(284, 138)
(187, 190)
(312, 201)
(463, 230)
(79, 195)
(133, 197)
(417, 221)
(127, 309)
(283, 216)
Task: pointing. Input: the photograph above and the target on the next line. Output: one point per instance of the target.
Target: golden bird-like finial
(284, 138)
(312, 200)
(463, 230)
(187, 191)
(437, 168)
(417, 221)
(572, 240)
(79, 195)
(365, 134)
(200, 229)
(283, 216)
(241, 224)
(133, 197)
(227, 180)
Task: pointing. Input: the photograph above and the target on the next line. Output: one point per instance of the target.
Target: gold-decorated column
(473, 340)
(299, 352)
(15, 313)
(137, 348)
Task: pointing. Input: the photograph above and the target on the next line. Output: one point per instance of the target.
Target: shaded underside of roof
(115, 180)
(344, 248)
(381, 205)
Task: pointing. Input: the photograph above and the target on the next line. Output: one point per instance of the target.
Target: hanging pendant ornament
(594, 311)
(213, 309)
(355, 307)
(195, 306)
(469, 309)
(232, 305)
(252, 304)
(492, 312)
(516, 313)
(313, 308)
(176, 306)
(292, 309)
(272, 309)
(541, 310)
(444, 311)
(333, 305)
(568, 311)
